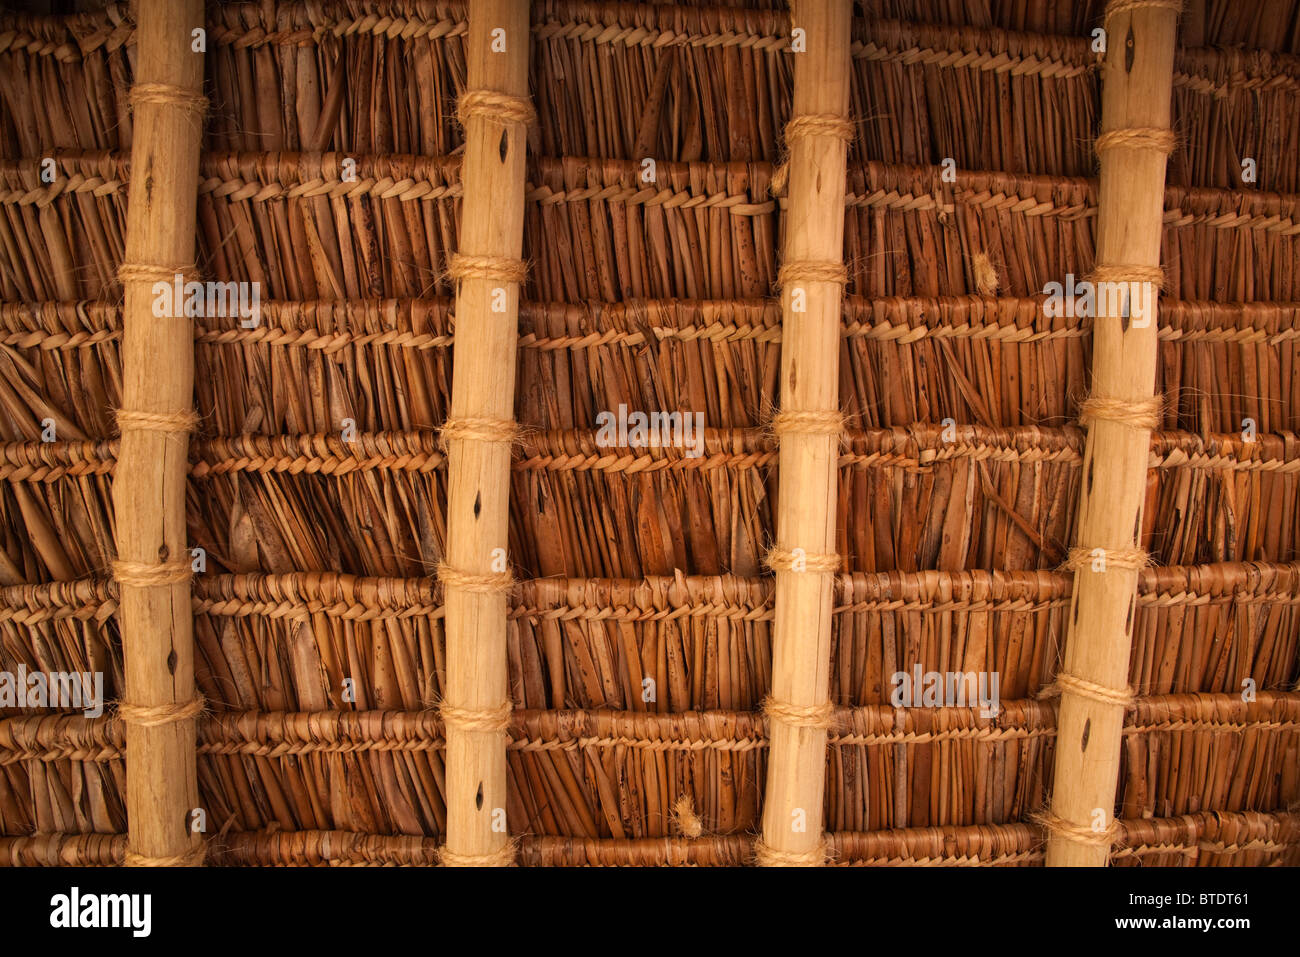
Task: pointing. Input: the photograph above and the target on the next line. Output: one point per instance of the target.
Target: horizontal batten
(266, 177)
(276, 734)
(299, 595)
(902, 319)
(977, 49)
(918, 447)
(1225, 837)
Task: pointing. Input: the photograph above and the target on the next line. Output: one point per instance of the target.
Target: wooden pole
(1137, 81)
(809, 426)
(495, 112)
(153, 566)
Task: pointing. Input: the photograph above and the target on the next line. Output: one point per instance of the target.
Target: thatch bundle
(640, 637)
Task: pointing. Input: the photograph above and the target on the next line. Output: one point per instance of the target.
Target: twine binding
(504, 431)
(166, 94)
(1136, 138)
(810, 124)
(819, 124)
(495, 268)
(144, 575)
(809, 422)
(504, 857)
(191, 858)
(153, 272)
(173, 422)
(785, 560)
(153, 715)
(1083, 688)
(471, 719)
(800, 716)
(1116, 7)
(1121, 273)
(1135, 413)
(1128, 558)
(810, 271)
(489, 584)
(767, 856)
(1077, 833)
(495, 106)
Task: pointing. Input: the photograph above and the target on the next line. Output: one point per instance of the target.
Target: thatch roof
(648, 563)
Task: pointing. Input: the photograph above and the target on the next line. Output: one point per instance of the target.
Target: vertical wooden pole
(1137, 81)
(812, 278)
(495, 112)
(153, 567)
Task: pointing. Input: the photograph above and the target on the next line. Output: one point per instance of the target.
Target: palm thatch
(958, 477)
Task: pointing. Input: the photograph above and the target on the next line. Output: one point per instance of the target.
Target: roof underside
(647, 563)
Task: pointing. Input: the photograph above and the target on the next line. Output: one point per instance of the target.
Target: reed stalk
(1120, 413)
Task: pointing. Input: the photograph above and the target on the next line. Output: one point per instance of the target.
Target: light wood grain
(478, 495)
(1136, 86)
(149, 481)
(806, 510)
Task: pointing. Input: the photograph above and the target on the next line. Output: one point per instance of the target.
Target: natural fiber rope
(165, 94)
(1077, 833)
(505, 857)
(470, 719)
(767, 856)
(811, 124)
(1083, 688)
(807, 271)
(504, 431)
(191, 858)
(1116, 7)
(1137, 138)
(497, 268)
(130, 420)
(799, 716)
(152, 272)
(684, 819)
(783, 560)
(1135, 413)
(986, 274)
(1128, 557)
(819, 124)
(500, 107)
(780, 174)
(151, 716)
(1114, 273)
(479, 584)
(830, 422)
(145, 575)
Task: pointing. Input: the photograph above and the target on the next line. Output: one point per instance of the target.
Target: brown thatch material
(647, 563)
(1244, 840)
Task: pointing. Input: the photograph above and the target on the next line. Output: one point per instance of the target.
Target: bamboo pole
(1122, 410)
(495, 112)
(809, 426)
(153, 566)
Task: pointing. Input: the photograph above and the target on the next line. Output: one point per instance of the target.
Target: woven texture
(640, 582)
